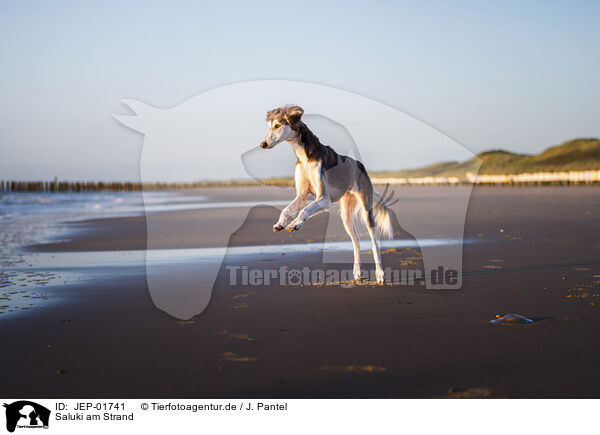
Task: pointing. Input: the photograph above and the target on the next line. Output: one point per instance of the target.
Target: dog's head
(283, 124)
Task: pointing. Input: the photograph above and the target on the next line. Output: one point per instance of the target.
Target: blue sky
(515, 75)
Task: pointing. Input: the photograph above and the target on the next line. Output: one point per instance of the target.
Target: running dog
(330, 178)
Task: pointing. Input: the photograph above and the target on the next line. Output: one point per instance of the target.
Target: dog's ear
(293, 114)
(271, 114)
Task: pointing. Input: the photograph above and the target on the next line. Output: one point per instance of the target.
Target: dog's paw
(294, 226)
(277, 228)
(379, 276)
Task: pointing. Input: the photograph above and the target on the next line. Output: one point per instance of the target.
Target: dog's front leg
(299, 201)
(289, 212)
(318, 204)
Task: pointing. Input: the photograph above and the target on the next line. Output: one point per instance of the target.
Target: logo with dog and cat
(24, 414)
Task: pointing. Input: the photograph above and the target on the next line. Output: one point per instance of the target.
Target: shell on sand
(512, 319)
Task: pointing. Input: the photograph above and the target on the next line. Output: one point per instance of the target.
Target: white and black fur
(329, 177)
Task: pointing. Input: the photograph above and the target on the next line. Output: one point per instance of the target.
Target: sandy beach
(536, 254)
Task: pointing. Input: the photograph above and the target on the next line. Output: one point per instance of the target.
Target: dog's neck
(305, 143)
(299, 148)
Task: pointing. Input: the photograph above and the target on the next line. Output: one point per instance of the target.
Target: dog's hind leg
(366, 200)
(379, 275)
(348, 204)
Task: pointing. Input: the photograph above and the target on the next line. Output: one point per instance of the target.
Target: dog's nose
(264, 145)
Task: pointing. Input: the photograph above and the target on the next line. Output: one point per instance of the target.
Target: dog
(330, 178)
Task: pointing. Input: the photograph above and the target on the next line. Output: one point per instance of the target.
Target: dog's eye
(277, 125)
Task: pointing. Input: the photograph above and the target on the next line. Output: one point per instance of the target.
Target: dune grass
(575, 155)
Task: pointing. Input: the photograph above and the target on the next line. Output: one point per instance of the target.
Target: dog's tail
(382, 215)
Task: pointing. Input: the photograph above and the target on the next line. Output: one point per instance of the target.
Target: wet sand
(107, 339)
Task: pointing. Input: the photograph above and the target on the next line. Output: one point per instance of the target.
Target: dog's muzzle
(264, 145)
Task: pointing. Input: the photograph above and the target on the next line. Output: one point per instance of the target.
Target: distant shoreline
(575, 162)
(574, 178)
